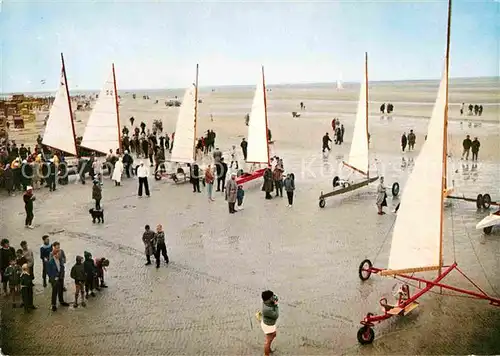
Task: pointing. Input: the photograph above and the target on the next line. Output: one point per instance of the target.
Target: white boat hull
(490, 220)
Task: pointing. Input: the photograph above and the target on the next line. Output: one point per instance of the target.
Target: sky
(156, 44)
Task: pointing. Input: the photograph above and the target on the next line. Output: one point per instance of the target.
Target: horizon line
(250, 85)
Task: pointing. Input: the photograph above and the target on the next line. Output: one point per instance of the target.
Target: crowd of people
(475, 109)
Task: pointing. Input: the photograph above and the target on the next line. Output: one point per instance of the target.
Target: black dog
(97, 214)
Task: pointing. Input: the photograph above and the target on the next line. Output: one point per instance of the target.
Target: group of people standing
(408, 140)
(469, 146)
(475, 109)
(386, 108)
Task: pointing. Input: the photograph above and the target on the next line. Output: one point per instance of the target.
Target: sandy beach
(205, 301)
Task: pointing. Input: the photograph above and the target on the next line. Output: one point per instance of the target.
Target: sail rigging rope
(453, 234)
(478, 260)
(385, 240)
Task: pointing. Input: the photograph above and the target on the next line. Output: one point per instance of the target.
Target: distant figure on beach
(462, 109)
(301, 105)
(470, 109)
(334, 121)
(381, 197)
(411, 140)
(390, 108)
(480, 110)
(475, 148)
(326, 140)
(247, 119)
(382, 108)
(466, 144)
(404, 141)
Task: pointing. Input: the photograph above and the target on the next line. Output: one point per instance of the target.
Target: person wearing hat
(231, 193)
(28, 199)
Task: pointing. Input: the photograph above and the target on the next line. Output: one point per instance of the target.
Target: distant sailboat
(258, 133)
(60, 129)
(102, 132)
(184, 143)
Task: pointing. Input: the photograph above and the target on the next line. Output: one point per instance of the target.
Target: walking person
(28, 199)
(404, 141)
(56, 273)
(161, 246)
(231, 193)
(97, 194)
(289, 184)
(209, 181)
(244, 148)
(270, 315)
(411, 140)
(148, 238)
(381, 197)
(118, 172)
(466, 144)
(143, 174)
(475, 148)
(78, 275)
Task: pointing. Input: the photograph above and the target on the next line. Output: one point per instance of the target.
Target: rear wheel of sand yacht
(487, 230)
(335, 181)
(486, 201)
(395, 189)
(322, 203)
(364, 270)
(158, 175)
(479, 201)
(366, 335)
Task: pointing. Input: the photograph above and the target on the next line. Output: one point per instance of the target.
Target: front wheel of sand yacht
(335, 181)
(322, 203)
(395, 189)
(365, 270)
(157, 175)
(366, 335)
(487, 230)
(479, 201)
(486, 201)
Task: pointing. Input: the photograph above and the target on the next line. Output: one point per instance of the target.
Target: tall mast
(195, 111)
(117, 110)
(445, 135)
(69, 102)
(265, 111)
(366, 111)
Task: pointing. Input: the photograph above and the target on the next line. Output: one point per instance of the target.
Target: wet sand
(204, 302)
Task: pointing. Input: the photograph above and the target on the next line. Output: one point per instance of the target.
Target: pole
(69, 103)
(366, 111)
(265, 111)
(117, 110)
(195, 112)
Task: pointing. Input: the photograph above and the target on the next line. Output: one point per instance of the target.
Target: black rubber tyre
(487, 230)
(362, 270)
(395, 189)
(366, 335)
(335, 181)
(479, 201)
(322, 203)
(486, 201)
(158, 175)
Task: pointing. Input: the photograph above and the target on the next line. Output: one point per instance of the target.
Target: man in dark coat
(244, 146)
(326, 140)
(221, 174)
(52, 175)
(127, 163)
(195, 178)
(7, 253)
(404, 141)
(28, 199)
(268, 186)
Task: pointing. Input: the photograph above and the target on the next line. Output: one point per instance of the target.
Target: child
(13, 275)
(78, 275)
(21, 260)
(101, 264)
(27, 288)
(90, 273)
(240, 194)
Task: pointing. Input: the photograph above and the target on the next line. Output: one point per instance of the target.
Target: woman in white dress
(117, 172)
(381, 197)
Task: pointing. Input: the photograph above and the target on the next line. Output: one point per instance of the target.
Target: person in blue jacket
(55, 271)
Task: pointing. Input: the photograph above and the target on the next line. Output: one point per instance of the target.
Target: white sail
(185, 129)
(102, 131)
(358, 154)
(59, 128)
(416, 238)
(257, 128)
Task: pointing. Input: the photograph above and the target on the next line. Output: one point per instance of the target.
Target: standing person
(462, 109)
(222, 170)
(52, 175)
(161, 246)
(244, 148)
(231, 193)
(28, 255)
(270, 315)
(56, 247)
(381, 197)
(143, 174)
(101, 264)
(78, 275)
(240, 194)
(278, 180)
(289, 184)
(26, 281)
(475, 148)
(404, 141)
(466, 144)
(28, 199)
(127, 163)
(195, 178)
(7, 253)
(90, 274)
(411, 141)
(234, 158)
(148, 239)
(382, 108)
(45, 251)
(342, 131)
(97, 194)
(117, 172)
(13, 276)
(56, 272)
(326, 140)
(268, 182)
(209, 180)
